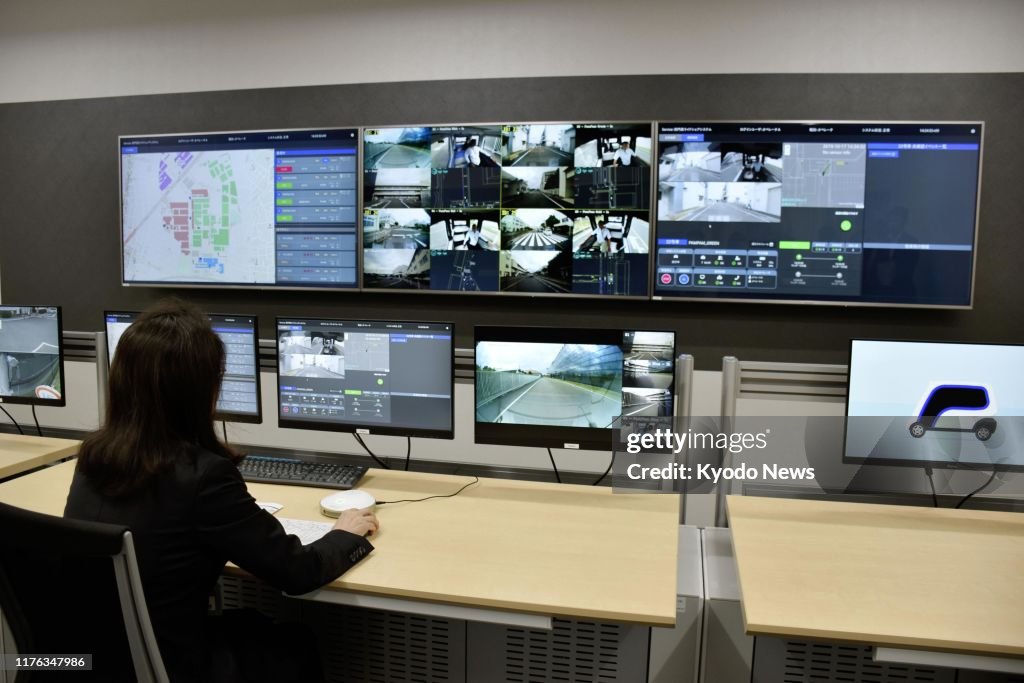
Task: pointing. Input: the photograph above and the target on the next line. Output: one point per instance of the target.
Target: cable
(408, 451)
(420, 500)
(558, 477)
(931, 482)
(39, 430)
(370, 453)
(969, 495)
(224, 430)
(13, 421)
(601, 478)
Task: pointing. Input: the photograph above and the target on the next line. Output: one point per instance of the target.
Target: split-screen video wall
(852, 213)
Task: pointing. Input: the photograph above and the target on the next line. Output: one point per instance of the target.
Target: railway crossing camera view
(312, 353)
(30, 353)
(569, 385)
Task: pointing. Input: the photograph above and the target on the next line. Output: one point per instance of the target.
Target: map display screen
(845, 213)
(253, 209)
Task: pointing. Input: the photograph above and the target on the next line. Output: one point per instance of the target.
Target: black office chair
(69, 587)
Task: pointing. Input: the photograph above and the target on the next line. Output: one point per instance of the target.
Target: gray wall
(59, 229)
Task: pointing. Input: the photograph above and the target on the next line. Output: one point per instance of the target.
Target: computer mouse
(336, 503)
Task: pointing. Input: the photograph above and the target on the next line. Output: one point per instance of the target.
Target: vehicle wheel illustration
(984, 429)
(917, 430)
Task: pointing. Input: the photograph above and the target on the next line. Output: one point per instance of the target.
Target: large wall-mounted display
(247, 209)
(554, 208)
(841, 213)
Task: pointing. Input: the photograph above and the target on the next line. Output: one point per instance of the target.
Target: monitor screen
(538, 209)
(366, 376)
(936, 403)
(879, 214)
(239, 399)
(555, 387)
(249, 209)
(31, 355)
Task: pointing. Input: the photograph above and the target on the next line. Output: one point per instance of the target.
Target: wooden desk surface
(22, 453)
(551, 549)
(911, 577)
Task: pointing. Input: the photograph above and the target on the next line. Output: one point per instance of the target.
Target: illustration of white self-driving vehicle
(947, 398)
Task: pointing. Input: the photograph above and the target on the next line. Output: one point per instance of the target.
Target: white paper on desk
(306, 531)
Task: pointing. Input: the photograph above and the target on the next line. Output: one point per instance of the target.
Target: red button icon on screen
(666, 279)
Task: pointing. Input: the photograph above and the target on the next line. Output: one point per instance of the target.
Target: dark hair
(469, 143)
(163, 389)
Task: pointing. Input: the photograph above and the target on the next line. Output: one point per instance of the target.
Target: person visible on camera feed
(158, 467)
(329, 348)
(473, 238)
(624, 155)
(603, 237)
(471, 153)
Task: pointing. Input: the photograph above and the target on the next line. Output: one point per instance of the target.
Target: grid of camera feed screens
(247, 209)
(852, 213)
(383, 377)
(31, 367)
(556, 209)
(550, 387)
(239, 399)
(946, 404)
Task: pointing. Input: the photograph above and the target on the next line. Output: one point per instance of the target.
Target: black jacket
(186, 525)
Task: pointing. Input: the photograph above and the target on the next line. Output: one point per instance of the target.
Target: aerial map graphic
(199, 216)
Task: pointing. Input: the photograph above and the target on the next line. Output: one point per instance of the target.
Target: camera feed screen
(869, 213)
(388, 377)
(569, 380)
(30, 355)
(533, 208)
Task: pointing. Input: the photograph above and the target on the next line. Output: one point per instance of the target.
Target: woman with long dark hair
(157, 467)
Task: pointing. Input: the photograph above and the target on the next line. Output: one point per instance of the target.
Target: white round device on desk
(336, 503)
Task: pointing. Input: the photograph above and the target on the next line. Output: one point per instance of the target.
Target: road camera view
(29, 353)
(539, 145)
(569, 385)
(396, 229)
(312, 353)
(398, 268)
(648, 373)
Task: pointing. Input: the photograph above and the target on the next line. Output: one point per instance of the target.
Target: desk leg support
(951, 660)
(431, 609)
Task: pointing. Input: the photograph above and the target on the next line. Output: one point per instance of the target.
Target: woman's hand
(358, 522)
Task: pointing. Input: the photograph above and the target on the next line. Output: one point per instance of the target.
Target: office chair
(69, 587)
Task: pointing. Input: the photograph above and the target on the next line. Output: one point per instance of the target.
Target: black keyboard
(269, 470)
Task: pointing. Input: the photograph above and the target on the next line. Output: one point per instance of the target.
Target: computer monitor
(566, 388)
(248, 209)
(239, 399)
(860, 214)
(31, 355)
(560, 209)
(366, 376)
(939, 404)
